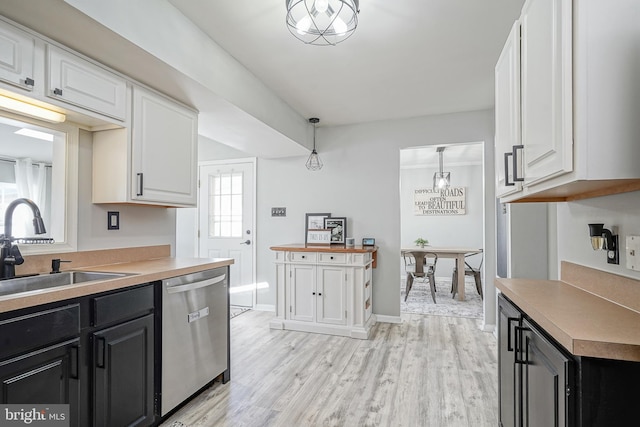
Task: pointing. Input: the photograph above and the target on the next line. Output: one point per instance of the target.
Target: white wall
(360, 180)
(139, 225)
(621, 210)
(453, 230)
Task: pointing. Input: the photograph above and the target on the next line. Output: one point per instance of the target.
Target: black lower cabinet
(547, 380)
(536, 376)
(542, 385)
(509, 372)
(123, 368)
(45, 376)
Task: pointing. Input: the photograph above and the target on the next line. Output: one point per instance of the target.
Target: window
(225, 204)
(41, 165)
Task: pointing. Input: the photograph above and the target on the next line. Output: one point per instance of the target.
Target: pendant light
(322, 22)
(441, 180)
(314, 163)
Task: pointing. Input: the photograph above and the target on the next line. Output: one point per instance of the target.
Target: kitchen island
(325, 289)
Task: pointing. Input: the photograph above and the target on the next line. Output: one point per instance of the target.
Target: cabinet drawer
(122, 305)
(361, 259)
(36, 330)
(331, 258)
(303, 257)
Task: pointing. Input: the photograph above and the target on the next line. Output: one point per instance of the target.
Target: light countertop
(141, 271)
(591, 313)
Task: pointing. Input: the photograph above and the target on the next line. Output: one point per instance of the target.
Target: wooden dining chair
(425, 267)
(468, 271)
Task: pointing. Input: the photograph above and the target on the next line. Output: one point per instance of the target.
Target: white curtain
(31, 180)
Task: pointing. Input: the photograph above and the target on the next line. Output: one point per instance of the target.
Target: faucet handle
(55, 265)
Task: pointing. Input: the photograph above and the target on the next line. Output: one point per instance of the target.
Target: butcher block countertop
(301, 247)
(141, 271)
(590, 312)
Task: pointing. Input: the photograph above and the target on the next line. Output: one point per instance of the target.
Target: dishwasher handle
(195, 285)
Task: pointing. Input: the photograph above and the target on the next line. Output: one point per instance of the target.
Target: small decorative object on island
(338, 227)
(421, 242)
(314, 221)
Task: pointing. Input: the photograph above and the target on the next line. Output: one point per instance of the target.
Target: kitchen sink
(47, 281)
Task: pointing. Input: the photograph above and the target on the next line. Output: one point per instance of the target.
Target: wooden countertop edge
(295, 247)
(574, 342)
(140, 272)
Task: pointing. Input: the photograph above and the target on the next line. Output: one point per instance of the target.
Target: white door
(226, 223)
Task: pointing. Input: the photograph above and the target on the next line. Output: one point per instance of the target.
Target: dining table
(456, 252)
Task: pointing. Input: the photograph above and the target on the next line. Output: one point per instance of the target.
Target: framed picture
(314, 221)
(338, 227)
(319, 237)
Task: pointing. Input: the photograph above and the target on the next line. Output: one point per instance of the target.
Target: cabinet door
(547, 105)
(508, 371)
(331, 295)
(47, 376)
(123, 367)
(507, 114)
(165, 137)
(77, 81)
(17, 49)
(547, 381)
(302, 292)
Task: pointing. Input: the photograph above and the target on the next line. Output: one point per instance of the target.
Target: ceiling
(407, 58)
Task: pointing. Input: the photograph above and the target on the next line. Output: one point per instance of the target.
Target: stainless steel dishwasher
(195, 334)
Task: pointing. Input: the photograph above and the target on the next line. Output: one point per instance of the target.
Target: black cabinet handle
(313, 293)
(331, 257)
(140, 184)
(100, 352)
(29, 81)
(57, 91)
(74, 362)
(506, 170)
(509, 320)
(319, 294)
(516, 178)
(518, 345)
(303, 257)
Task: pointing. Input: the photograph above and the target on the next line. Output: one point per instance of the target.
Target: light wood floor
(428, 371)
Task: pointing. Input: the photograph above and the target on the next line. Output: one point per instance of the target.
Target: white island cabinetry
(324, 290)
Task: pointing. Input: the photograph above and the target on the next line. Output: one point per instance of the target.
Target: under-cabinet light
(31, 110)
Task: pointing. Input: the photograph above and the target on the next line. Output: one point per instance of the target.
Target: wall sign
(449, 201)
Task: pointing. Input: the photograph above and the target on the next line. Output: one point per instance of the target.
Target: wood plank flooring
(428, 371)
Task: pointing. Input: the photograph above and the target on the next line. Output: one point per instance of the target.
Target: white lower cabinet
(324, 292)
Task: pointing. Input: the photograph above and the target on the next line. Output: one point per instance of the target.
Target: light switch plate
(633, 253)
(278, 211)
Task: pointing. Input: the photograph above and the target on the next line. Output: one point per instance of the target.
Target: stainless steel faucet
(9, 253)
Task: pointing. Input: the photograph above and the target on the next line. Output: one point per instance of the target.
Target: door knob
(246, 242)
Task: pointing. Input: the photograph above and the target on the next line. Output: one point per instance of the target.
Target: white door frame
(253, 161)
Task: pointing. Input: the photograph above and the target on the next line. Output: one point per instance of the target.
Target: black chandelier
(322, 22)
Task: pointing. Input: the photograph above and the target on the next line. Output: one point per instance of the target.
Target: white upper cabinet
(546, 89)
(165, 143)
(155, 161)
(79, 82)
(17, 55)
(507, 114)
(577, 108)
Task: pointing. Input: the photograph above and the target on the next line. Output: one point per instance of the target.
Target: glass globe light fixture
(322, 22)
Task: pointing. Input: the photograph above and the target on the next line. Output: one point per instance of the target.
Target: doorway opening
(452, 218)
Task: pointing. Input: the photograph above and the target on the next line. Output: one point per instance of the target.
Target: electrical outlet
(633, 252)
(278, 211)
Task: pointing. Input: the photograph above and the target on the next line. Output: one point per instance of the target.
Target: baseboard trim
(265, 307)
(388, 319)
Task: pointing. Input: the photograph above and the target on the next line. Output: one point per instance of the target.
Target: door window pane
(225, 205)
